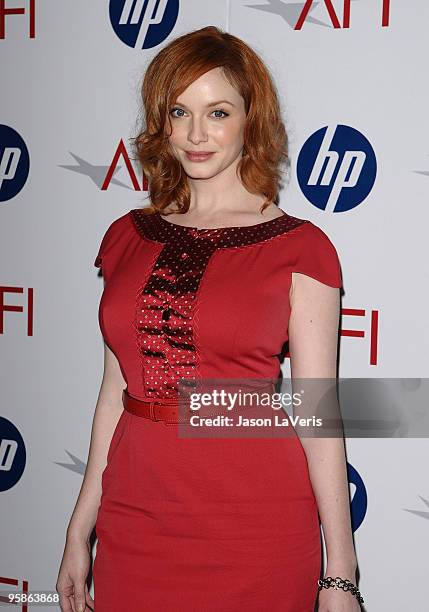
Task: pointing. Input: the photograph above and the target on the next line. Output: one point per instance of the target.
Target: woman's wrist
(344, 568)
(76, 534)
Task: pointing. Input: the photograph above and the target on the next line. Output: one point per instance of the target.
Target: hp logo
(13, 455)
(359, 502)
(143, 24)
(336, 168)
(14, 163)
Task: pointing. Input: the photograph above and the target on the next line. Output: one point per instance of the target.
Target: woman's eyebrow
(210, 103)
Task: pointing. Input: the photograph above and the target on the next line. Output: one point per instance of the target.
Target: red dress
(204, 525)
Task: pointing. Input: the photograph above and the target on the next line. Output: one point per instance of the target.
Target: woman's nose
(197, 132)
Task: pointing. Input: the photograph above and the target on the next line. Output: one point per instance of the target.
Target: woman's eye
(221, 111)
(176, 109)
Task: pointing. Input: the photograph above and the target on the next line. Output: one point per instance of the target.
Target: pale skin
(219, 199)
(71, 583)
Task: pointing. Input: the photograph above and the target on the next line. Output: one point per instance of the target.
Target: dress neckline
(151, 225)
(211, 229)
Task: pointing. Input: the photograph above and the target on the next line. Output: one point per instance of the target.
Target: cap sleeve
(101, 260)
(101, 251)
(111, 245)
(316, 256)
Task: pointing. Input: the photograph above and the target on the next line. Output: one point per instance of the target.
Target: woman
(208, 282)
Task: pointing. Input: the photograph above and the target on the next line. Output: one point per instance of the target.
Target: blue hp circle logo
(336, 168)
(360, 500)
(13, 455)
(143, 24)
(14, 163)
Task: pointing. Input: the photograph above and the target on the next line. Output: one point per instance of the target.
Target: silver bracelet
(340, 583)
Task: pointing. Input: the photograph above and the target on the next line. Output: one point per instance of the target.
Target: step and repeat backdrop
(350, 76)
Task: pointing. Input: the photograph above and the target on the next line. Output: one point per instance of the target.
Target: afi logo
(12, 455)
(297, 13)
(103, 176)
(336, 168)
(14, 163)
(29, 9)
(143, 24)
(369, 332)
(309, 5)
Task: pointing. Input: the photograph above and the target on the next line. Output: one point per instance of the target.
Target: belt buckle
(152, 411)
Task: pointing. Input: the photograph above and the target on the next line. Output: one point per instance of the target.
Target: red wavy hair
(169, 73)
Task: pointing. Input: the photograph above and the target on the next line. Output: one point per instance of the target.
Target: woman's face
(209, 116)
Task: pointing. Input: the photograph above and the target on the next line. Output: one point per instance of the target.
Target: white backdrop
(70, 75)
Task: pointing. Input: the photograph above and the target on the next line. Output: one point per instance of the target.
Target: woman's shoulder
(119, 224)
(309, 233)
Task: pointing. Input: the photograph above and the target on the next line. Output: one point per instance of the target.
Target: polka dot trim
(154, 226)
(165, 313)
(165, 305)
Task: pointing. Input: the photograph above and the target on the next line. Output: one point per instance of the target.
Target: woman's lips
(198, 157)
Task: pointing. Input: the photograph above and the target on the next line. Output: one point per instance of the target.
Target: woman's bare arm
(107, 413)
(313, 342)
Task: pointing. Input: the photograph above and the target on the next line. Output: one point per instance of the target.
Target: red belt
(166, 409)
(158, 410)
